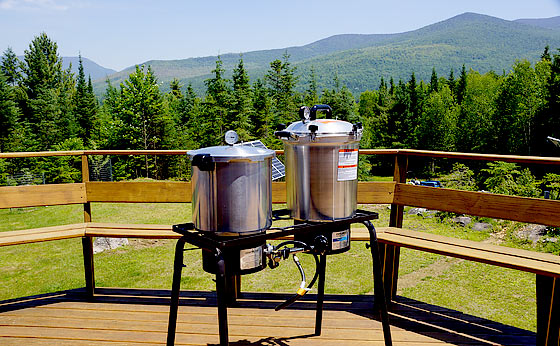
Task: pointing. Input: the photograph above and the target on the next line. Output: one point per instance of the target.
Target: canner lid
(228, 153)
(324, 127)
(310, 128)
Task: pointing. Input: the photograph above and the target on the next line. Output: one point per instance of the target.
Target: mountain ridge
(481, 42)
(550, 23)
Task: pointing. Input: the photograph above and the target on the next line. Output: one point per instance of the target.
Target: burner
(228, 257)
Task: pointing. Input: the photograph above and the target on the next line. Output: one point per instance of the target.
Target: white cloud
(56, 5)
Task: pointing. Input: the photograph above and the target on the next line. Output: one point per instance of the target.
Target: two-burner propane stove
(229, 257)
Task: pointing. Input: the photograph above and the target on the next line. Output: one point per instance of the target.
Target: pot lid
(321, 127)
(227, 153)
(318, 128)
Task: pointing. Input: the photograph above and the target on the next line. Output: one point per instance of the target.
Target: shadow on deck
(139, 316)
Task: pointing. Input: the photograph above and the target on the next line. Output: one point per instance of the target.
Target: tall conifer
(9, 115)
(242, 107)
(85, 105)
(10, 67)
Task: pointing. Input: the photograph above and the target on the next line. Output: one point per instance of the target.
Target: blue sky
(120, 33)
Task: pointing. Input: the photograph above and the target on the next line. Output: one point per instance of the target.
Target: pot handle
(204, 162)
(326, 108)
(283, 134)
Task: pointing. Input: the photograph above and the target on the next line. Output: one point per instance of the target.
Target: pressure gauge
(231, 137)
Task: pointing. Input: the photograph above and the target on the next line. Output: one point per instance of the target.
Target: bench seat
(117, 230)
(42, 234)
(529, 261)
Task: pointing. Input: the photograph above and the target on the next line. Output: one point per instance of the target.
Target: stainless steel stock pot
(231, 189)
(321, 165)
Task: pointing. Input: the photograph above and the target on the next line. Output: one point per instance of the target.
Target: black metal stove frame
(218, 245)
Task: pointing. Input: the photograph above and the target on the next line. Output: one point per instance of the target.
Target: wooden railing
(396, 193)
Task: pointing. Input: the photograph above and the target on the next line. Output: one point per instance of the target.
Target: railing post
(87, 242)
(390, 254)
(548, 311)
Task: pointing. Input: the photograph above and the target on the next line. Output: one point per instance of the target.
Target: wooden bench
(530, 210)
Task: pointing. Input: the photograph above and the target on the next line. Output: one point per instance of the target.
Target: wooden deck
(139, 317)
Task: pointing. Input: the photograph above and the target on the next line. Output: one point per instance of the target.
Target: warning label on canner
(347, 164)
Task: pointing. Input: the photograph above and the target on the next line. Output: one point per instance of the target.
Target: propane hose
(303, 289)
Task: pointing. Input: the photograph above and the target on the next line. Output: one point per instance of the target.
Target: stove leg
(175, 290)
(320, 294)
(222, 295)
(232, 288)
(378, 283)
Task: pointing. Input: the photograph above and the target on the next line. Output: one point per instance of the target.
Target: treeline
(43, 107)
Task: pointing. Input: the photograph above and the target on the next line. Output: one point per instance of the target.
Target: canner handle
(325, 108)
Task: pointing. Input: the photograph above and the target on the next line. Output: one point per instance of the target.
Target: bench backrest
(532, 210)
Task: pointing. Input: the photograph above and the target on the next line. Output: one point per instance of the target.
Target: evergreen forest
(45, 107)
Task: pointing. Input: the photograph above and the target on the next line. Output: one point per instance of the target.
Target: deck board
(139, 317)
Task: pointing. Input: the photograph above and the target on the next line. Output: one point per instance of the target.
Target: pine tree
(216, 107)
(546, 54)
(9, 115)
(461, 85)
(412, 115)
(192, 117)
(451, 81)
(382, 85)
(65, 98)
(85, 105)
(341, 101)
(141, 120)
(175, 89)
(242, 107)
(47, 109)
(281, 80)
(93, 107)
(433, 82)
(10, 67)
(397, 133)
(190, 97)
(261, 117)
(311, 94)
(217, 87)
(42, 67)
(175, 101)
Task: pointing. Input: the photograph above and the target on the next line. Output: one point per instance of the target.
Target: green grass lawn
(499, 294)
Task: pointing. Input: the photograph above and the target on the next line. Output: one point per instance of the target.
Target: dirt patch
(144, 243)
(496, 238)
(433, 270)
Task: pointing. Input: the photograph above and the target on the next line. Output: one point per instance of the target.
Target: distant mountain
(90, 68)
(480, 42)
(548, 23)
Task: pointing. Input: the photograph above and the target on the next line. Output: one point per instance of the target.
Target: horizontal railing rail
(406, 152)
